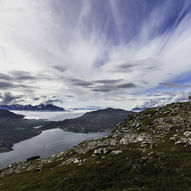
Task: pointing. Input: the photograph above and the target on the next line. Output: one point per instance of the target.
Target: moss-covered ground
(167, 168)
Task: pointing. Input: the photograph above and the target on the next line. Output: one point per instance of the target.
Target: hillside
(149, 151)
(94, 121)
(14, 128)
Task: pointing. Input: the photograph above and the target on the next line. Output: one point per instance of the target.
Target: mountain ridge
(148, 151)
(93, 121)
(40, 107)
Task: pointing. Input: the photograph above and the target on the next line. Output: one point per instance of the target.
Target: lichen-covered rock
(116, 152)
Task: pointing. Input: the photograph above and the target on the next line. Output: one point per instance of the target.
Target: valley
(15, 128)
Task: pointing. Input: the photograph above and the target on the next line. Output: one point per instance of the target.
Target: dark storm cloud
(36, 98)
(6, 85)
(128, 85)
(127, 67)
(114, 87)
(108, 81)
(174, 85)
(5, 77)
(8, 98)
(27, 76)
(52, 101)
(82, 83)
(9, 85)
(143, 64)
(60, 68)
(102, 85)
(69, 96)
(19, 76)
(104, 89)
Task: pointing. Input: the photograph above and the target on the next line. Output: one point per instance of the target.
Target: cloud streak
(100, 50)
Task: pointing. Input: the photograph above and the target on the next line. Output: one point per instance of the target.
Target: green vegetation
(166, 169)
(147, 121)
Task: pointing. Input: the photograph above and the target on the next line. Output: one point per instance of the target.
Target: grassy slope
(168, 168)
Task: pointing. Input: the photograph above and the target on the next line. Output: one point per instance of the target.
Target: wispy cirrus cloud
(100, 50)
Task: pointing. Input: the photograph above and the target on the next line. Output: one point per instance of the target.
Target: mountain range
(40, 107)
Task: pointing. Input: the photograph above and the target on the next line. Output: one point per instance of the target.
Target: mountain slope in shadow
(95, 121)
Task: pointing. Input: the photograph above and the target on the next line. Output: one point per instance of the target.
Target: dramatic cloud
(5, 77)
(82, 83)
(175, 85)
(8, 98)
(108, 88)
(60, 68)
(108, 81)
(94, 52)
(8, 85)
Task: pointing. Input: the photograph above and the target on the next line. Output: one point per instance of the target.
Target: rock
(187, 133)
(98, 151)
(76, 160)
(140, 138)
(113, 142)
(143, 144)
(124, 141)
(106, 150)
(116, 152)
(181, 141)
(173, 138)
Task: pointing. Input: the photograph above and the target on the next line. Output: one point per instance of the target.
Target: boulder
(116, 152)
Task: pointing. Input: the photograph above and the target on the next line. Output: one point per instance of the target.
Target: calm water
(47, 143)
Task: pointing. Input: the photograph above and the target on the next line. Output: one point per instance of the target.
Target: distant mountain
(136, 109)
(95, 121)
(87, 108)
(41, 107)
(8, 114)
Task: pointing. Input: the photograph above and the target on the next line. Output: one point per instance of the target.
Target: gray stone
(116, 152)
(98, 151)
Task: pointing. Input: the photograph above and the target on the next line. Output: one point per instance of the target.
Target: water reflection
(47, 143)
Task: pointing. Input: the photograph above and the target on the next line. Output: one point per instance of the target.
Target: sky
(81, 53)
